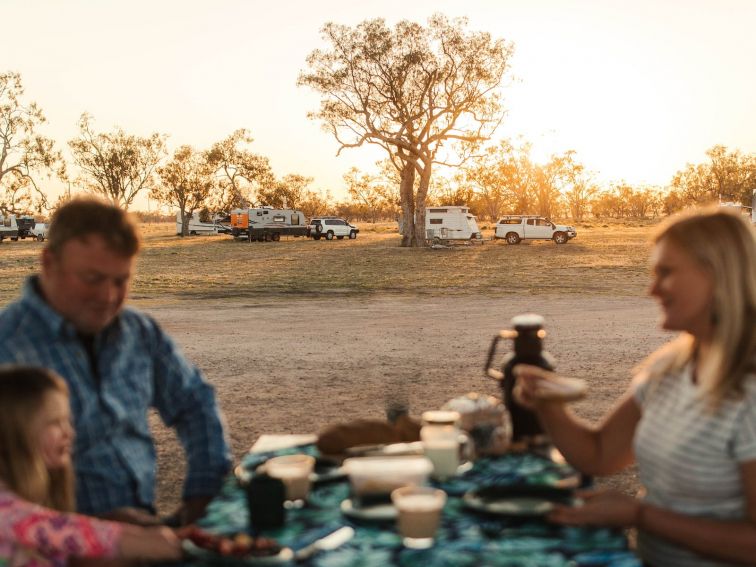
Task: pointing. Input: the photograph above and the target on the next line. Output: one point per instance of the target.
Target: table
(465, 538)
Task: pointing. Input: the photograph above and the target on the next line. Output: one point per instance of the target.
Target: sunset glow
(637, 89)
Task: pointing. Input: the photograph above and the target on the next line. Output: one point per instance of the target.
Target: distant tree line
(429, 96)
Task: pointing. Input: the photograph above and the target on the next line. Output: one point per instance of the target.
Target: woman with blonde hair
(689, 418)
(37, 525)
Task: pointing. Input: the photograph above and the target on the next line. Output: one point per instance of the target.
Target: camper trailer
(742, 209)
(8, 227)
(450, 224)
(264, 224)
(196, 226)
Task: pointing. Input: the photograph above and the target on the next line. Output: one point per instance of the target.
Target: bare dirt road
(293, 366)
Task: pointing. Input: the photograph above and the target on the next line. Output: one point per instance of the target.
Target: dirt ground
(294, 366)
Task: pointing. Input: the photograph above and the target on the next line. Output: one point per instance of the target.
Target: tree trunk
(185, 222)
(422, 194)
(406, 191)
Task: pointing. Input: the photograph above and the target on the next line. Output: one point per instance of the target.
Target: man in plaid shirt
(118, 364)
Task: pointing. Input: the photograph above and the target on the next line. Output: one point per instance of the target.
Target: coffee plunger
(528, 334)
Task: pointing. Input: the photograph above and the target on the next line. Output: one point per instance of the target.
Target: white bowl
(381, 475)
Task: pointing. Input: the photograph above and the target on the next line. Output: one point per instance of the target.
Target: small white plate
(461, 469)
(376, 513)
(526, 506)
(561, 389)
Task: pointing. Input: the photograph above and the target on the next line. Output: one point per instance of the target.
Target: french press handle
(489, 370)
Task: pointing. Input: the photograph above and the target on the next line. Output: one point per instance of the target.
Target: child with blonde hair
(38, 527)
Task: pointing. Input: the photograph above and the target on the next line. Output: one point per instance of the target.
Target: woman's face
(684, 290)
(53, 431)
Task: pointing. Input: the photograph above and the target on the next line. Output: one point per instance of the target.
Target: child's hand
(135, 516)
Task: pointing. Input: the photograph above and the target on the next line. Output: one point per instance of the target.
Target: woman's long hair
(22, 469)
(724, 244)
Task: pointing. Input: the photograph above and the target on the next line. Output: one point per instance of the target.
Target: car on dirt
(39, 231)
(330, 227)
(516, 228)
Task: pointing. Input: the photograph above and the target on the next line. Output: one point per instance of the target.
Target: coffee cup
(294, 471)
(418, 514)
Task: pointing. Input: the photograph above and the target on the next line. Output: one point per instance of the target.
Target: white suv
(515, 228)
(328, 227)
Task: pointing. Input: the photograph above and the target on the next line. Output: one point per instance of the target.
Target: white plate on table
(522, 500)
(212, 558)
(376, 512)
(526, 507)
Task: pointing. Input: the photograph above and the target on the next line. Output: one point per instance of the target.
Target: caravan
(448, 224)
(8, 227)
(742, 209)
(196, 226)
(266, 223)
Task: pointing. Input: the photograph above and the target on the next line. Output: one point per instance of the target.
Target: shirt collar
(54, 321)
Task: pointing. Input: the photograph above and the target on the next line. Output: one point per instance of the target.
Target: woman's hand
(600, 508)
(526, 387)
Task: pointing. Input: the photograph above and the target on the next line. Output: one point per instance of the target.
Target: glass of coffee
(294, 471)
(418, 514)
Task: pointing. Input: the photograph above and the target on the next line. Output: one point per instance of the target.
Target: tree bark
(406, 191)
(422, 194)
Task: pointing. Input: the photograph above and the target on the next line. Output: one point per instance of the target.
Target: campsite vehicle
(328, 227)
(25, 225)
(516, 228)
(448, 225)
(196, 226)
(266, 223)
(8, 227)
(39, 231)
(742, 209)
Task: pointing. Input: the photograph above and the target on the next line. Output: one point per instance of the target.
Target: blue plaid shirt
(138, 367)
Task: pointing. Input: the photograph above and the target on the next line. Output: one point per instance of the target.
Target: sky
(637, 88)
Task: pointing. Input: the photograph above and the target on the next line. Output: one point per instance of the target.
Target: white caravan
(264, 224)
(450, 223)
(8, 227)
(196, 226)
(742, 209)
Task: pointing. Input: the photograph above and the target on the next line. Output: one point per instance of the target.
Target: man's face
(87, 282)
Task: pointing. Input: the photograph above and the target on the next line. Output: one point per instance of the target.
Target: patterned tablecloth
(464, 538)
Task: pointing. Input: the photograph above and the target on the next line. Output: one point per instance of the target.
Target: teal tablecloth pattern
(464, 538)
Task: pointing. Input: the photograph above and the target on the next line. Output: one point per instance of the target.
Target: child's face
(53, 430)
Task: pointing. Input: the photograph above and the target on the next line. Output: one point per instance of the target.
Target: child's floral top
(35, 536)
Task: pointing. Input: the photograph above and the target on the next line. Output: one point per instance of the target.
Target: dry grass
(605, 260)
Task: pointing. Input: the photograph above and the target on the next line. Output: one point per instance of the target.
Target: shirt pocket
(129, 387)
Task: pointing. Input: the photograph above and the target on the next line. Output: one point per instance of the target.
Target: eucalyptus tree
(729, 176)
(25, 154)
(287, 192)
(240, 172)
(427, 95)
(187, 182)
(115, 164)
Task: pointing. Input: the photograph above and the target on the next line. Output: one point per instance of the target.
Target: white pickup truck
(516, 228)
(39, 231)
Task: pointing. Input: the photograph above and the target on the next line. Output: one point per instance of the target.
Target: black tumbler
(265, 502)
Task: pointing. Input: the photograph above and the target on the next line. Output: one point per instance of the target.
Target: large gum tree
(427, 95)
(25, 155)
